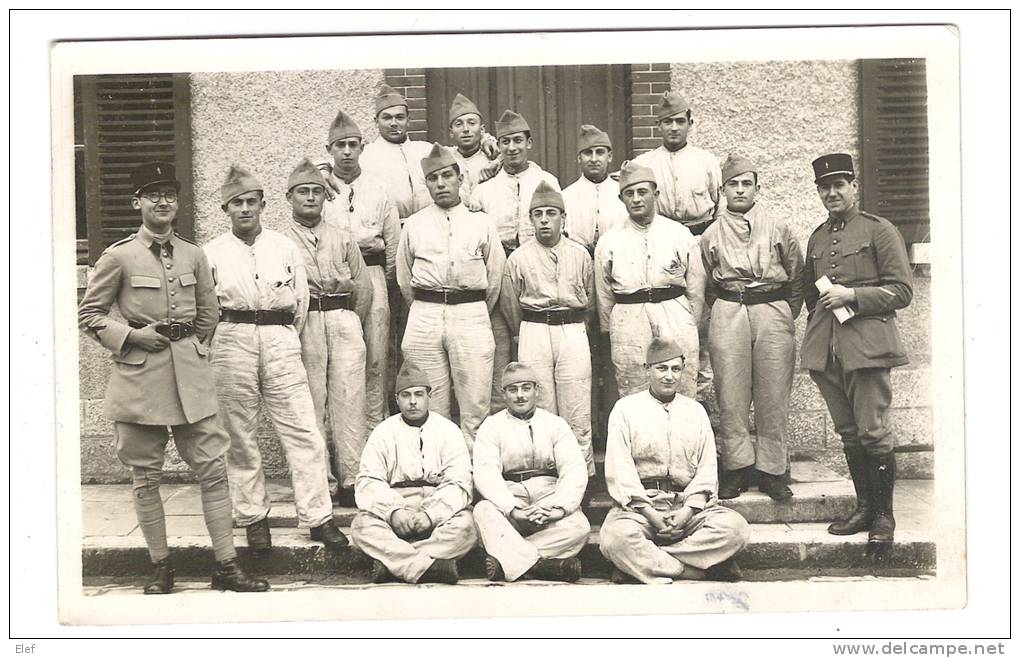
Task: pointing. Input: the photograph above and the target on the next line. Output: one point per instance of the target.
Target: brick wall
(411, 84)
(647, 84)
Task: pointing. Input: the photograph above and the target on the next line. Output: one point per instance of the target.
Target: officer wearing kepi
(865, 261)
(161, 376)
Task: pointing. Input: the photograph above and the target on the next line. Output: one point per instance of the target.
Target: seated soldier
(661, 473)
(532, 475)
(413, 491)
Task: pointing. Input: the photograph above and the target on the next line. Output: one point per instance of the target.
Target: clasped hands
(409, 523)
(669, 526)
(534, 517)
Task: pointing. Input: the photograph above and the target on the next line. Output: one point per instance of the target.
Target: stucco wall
(266, 122)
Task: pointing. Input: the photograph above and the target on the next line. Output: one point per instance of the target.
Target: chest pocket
(861, 262)
(188, 279)
(150, 282)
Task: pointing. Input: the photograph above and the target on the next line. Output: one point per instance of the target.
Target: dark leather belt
(449, 296)
(510, 245)
(650, 295)
(374, 258)
(752, 296)
(407, 484)
(565, 316)
(172, 330)
(662, 484)
(256, 317)
(521, 476)
(329, 302)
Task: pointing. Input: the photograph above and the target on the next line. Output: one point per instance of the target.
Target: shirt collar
(851, 214)
(148, 239)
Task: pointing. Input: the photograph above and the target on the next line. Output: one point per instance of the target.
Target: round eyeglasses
(153, 197)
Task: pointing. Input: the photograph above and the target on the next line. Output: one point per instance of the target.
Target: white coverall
(632, 257)
(261, 364)
(752, 347)
(375, 225)
(471, 167)
(540, 278)
(453, 250)
(332, 342)
(689, 181)
(398, 168)
(593, 209)
(666, 441)
(508, 444)
(506, 198)
(433, 456)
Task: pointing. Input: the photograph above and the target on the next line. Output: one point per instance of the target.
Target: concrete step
(803, 547)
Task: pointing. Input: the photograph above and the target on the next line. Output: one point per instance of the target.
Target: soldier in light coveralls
(161, 377)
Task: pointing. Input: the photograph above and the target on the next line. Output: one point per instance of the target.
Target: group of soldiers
(492, 289)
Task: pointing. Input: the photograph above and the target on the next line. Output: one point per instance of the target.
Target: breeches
(752, 351)
(858, 402)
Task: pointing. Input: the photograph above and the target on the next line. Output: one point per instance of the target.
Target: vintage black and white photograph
(480, 325)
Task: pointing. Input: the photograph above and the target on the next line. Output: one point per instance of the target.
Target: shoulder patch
(872, 217)
(120, 242)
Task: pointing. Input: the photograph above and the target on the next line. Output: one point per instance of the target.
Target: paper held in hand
(842, 313)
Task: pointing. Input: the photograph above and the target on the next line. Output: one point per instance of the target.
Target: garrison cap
(388, 97)
(590, 137)
(305, 173)
(735, 165)
(632, 174)
(516, 372)
(672, 102)
(410, 376)
(153, 173)
(238, 182)
(343, 126)
(546, 196)
(438, 158)
(662, 349)
(462, 105)
(511, 123)
(833, 164)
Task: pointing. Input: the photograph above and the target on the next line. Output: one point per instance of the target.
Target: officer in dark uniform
(865, 260)
(161, 377)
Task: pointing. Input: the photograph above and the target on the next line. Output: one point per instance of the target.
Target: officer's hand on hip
(837, 297)
(147, 339)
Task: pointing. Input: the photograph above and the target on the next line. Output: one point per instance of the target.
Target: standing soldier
(593, 203)
(476, 150)
(865, 261)
(362, 205)
(530, 472)
(161, 377)
(650, 282)
(256, 354)
(332, 340)
(548, 293)
(414, 491)
(754, 267)
(689, 180)
(450, 268)
(506, 198)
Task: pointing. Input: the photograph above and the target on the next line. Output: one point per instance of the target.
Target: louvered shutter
(894, 144)
(128, 120)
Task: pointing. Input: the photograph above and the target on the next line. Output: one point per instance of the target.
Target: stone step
(804, 547)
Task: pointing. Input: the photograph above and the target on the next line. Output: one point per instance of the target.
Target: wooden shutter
(128, 120)
(894, 144)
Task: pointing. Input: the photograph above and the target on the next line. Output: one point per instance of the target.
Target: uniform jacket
(398, 168)
(148, 283)
(867, 253)
(593, 209)
(506, 198)
(688, 181)
(540, 278)
(374, 222)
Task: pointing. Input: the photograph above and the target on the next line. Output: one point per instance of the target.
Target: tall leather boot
(882, 470)
(860, 519)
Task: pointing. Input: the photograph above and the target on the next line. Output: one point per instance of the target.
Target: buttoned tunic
(398, 168)
(592, 210)
(507, 444)
(688, 181)
(633, 257)
(433, 455)
(506, 198)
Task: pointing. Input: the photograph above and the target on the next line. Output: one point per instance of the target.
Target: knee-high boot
(882, 474)
(861, 518)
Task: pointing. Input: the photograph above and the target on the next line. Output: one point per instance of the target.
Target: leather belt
(407, 484)
(510, 245)
(256, 317)
(650, 295)
(751, 297)
(662, 484)
(565, 316)
(521, 476)
(329, 302)
(172, 330)
(449, 296)
(374, 258)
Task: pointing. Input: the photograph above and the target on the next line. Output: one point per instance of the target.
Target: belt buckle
(446, 296)
(258, 316)
(548, 317)
(740, 295)
(175, 331)
(650, 293)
